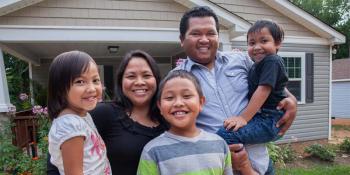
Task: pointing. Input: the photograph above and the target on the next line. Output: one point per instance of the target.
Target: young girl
(184, 148)
(74, 89)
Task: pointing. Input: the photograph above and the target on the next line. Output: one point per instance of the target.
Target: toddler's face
(261, 44)
(85, 91)
(180, 105)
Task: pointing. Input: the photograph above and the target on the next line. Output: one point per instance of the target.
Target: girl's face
(138, 82)
(85, 91)
(180, 105)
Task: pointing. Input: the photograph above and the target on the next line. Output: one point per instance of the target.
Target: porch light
(113, 49)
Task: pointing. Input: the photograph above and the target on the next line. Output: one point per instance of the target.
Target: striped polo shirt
(205, 154)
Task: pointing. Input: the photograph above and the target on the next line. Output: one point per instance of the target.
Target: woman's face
(138, 82)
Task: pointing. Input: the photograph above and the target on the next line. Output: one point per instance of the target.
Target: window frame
(302, 73)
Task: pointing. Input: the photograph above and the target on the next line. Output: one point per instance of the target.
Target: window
(295, 66)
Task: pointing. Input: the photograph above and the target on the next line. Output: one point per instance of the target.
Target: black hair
(180, 74)
(200, 11)
(276, 30)
(63, 70)
(122, 100)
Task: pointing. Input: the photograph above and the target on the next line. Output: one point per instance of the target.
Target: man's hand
(240, 160)
(290, 106)
(236, 122)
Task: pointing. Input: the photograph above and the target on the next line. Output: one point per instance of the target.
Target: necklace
(147, 123)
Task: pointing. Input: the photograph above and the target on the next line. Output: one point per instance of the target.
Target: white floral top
(95, 159)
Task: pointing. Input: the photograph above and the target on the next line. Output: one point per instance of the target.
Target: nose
(203, 39)
(139, 81)
(91, 87)
(257, 47)
(178, 102)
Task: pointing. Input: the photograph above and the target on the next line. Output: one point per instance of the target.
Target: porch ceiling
(42, 51)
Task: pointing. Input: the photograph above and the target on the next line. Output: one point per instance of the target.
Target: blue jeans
(260, 129)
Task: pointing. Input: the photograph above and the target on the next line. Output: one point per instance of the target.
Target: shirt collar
(220, 59)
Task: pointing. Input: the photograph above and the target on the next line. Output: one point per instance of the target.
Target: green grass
(318, 170)
(341, 127)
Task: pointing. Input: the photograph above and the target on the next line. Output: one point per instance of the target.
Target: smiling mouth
(139, 91)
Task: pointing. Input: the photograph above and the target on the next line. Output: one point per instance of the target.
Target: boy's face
(180, 105)
(261, 44)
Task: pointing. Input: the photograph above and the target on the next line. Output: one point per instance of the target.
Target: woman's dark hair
(122, 100)
(63, 70)
(199, 11)
(180, 74)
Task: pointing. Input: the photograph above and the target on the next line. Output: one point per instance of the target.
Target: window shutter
(108, 79)
(309, 77)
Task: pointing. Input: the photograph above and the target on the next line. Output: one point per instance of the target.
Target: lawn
(317, 170)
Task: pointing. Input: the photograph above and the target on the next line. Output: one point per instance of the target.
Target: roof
(341, 69)
(230, 20)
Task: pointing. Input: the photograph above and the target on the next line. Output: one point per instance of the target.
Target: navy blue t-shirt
(271, 72)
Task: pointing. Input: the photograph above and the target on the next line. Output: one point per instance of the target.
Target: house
(38, 30)
(340, 101)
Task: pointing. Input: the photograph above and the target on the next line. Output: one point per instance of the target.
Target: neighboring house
(341, 88)
(38, 30)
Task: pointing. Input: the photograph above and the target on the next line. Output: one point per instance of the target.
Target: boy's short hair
(180, 74)
(275, 29)
(200, 11)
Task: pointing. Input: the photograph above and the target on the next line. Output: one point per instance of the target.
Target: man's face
(201, 40)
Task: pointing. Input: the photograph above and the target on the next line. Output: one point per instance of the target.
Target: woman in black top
(133, 119)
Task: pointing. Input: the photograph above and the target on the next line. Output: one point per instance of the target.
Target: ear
(182, 40)
(201, 102)
(278, 45)
(158, 105)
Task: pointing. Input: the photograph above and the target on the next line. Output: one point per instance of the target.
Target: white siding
(341, 99)
(253, 10)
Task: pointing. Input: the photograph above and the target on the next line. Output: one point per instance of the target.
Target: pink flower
(45, 111)
(37, 110)
(23, 96)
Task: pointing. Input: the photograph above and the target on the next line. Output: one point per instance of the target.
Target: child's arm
(258, 99)
(72, 155)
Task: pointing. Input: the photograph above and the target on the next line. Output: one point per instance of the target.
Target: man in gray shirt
(223, 78)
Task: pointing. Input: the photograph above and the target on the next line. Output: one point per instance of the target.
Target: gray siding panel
(341, 99)
(312, 119)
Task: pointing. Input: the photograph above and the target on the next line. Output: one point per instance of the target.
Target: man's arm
(289, 104)
(240, 160)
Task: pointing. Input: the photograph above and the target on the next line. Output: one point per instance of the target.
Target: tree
(334, 13)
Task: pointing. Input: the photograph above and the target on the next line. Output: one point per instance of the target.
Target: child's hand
(236, 122)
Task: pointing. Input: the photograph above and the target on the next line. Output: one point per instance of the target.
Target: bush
(281, 154)
(322, 152)
(345, 145)
(16, 161)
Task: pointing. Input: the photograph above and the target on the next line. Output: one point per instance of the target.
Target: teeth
(140, 91)
(180, 113)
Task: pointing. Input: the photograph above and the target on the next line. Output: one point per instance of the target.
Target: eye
(251, 43)
(79, 82)
(195, 33)
(96, 81)
(148, 76)
(130, 76)
(168, 98)
(187, 96)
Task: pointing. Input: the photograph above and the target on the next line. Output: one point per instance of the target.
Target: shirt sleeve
(269, 73)
(66, 127)
(147, 165)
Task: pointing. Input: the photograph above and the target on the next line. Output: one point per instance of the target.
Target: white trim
(236, 24)
(302, 17)
(330, 94)
(303, 72)
(19, 54)
(341, 80)
(4, 92)
(294, 40)
(8, 6)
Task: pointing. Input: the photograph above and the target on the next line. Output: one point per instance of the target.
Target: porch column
(4, 93)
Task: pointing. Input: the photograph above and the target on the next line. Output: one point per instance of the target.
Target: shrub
(345, 145)
(322, 152)
(281, 154)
